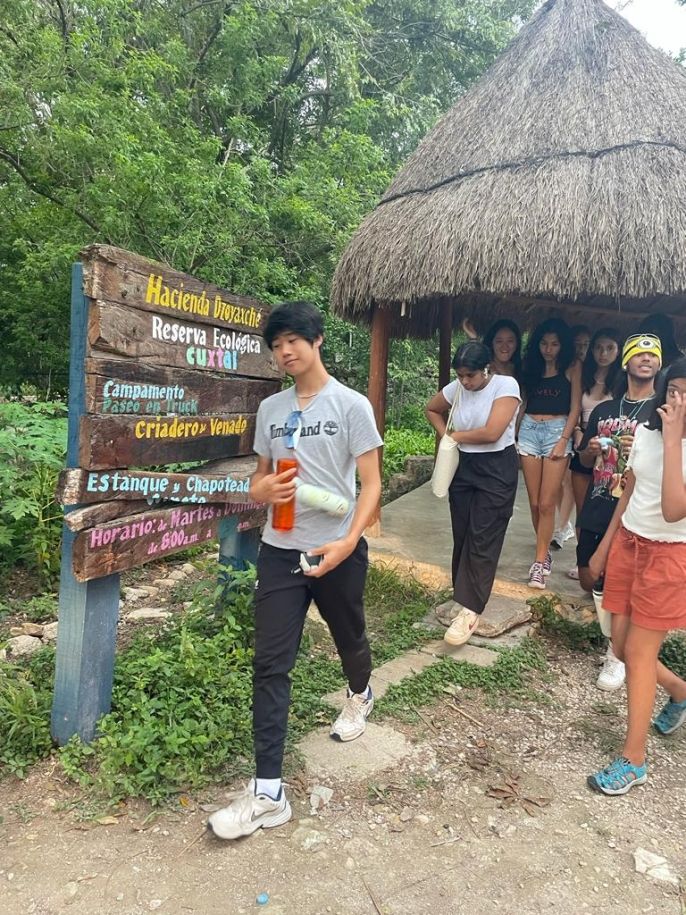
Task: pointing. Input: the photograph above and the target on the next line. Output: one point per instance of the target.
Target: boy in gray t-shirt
(330, 430)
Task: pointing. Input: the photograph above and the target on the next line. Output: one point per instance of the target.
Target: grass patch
(25, 703)
(577, 636)
(507, 675)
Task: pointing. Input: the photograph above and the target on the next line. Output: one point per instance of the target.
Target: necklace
(636, 409)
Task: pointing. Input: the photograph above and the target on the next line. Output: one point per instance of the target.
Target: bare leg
(532, 468)
(641, 649)
(566, 503)
(551, 482)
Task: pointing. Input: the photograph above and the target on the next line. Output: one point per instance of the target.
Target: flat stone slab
(379, 748)
(470, 654)
(502, 614)
(412, 662)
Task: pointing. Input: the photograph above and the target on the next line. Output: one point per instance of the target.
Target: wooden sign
(135, 539)
(157, 340)
(121, 386)
(221, 481)
(124, 441)
(113, 275)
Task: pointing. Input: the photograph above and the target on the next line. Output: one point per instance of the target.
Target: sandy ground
(425, 837)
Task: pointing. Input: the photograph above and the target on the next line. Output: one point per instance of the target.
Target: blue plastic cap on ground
(262, 899)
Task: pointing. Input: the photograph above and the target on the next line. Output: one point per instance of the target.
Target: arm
(574, 374)
(436, 412)
(500, 417)
(272, 488)
(370, 492)
(673, 491)
(598, 560)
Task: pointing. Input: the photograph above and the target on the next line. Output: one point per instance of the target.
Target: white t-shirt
(643, 514)
(474, 408)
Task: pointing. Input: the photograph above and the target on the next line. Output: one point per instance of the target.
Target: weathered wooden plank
(229, 485)
(80, 519)
(181, 344)
(125, 441)
(119, 386)
(134, 540)
(120, 276)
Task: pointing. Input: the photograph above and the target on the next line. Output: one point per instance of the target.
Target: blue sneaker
(619, 777)
(670, 719)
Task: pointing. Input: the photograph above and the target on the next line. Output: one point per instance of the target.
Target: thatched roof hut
(556, 184)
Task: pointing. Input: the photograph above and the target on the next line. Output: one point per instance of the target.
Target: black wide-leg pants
(482, 496)
(283, 594)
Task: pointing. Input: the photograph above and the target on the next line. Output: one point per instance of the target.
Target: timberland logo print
(280, 431)
(330, 427)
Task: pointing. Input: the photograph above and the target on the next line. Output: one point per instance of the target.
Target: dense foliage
(239, 140)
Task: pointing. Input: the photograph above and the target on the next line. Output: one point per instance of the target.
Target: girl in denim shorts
(552, 390)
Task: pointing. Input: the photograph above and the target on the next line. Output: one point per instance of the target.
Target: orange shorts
(646, 580)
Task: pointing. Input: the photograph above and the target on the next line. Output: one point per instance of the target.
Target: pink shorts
(646, 580)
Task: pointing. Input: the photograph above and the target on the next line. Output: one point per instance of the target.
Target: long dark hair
(534, 364)
(663, 327)
(489, 337)
(676, 370)
(472, 355)
(590, 366)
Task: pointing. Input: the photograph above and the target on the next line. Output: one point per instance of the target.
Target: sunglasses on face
(292, 429)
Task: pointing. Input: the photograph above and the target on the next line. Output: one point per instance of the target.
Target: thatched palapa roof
(557, 183)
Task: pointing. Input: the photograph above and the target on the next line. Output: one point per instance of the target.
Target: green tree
(239, 140)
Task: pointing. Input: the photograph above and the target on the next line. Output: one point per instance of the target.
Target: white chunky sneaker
(612, 673)
(446, 613)
(462, 627)
(352, 721)
(249, 812)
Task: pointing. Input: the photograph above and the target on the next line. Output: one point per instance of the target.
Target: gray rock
(654, 866)
(188, 568)
(308, 839)
(164, 583)
(131, 595)
(50, 632)
(177, 575)
(320, 796)
(23, 646)
(148, 614)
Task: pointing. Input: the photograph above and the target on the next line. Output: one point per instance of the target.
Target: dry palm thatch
(556, 184)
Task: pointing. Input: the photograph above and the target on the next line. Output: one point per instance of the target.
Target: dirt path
(424, 837)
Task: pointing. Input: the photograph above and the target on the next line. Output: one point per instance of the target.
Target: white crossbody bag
(447, 455)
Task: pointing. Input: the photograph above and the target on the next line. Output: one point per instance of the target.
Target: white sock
(365, 692)
(269, 786)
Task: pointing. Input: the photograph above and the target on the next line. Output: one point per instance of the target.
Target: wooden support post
(445, 344)
(88, 612)
(376, 389)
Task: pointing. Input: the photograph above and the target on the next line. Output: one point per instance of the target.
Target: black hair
(534, 364)
(299, 318)
(676, 370)
(589, 366)
(489, 337)
(472, 355)
(577, 329)
(662, 326)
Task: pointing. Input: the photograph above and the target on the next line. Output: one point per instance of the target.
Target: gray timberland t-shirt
(337, 427)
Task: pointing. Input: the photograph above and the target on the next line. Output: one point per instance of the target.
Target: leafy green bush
(25, 701)
(33, 438)
(400, 444)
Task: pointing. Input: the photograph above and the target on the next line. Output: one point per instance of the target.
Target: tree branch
(33, 186)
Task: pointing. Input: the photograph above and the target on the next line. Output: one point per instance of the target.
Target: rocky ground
(487, 810)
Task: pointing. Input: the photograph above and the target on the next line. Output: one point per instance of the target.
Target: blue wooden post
(88, 612)
(236, 548)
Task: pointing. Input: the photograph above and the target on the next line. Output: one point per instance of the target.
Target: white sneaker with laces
(352, 721)
(462, 627)
(249, 812)
(612, 673)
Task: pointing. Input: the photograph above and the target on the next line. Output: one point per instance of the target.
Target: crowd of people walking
(592, 417)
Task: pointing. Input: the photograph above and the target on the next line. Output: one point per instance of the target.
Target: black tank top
(550, 396)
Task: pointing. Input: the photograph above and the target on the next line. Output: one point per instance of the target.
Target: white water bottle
(321, 499)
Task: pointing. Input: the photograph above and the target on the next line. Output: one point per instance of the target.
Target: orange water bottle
(283, 513)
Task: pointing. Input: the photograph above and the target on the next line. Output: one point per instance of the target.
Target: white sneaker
(565, 533)
(446, 613)
(612, 673)
(352, 721)
(249, 812)
(462, 627)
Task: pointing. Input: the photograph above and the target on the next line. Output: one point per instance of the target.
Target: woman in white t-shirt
(483, 489)
(645, 579)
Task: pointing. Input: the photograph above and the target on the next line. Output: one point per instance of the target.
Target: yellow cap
(637, 344)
